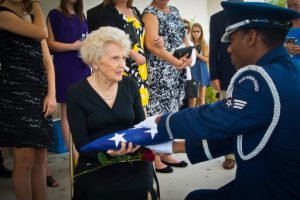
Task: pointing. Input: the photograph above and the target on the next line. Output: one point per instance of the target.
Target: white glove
(166, 147)
(149, 122)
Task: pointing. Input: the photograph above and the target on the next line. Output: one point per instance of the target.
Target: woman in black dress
(104, 103)
(26, 100)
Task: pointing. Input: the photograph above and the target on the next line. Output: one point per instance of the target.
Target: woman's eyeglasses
(186, 27)
(196, 31)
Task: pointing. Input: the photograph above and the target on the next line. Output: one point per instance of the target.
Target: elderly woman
(104, 103)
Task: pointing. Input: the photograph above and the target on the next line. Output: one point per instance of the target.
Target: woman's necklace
(105, 97)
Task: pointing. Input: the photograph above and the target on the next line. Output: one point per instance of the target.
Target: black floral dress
(23, 86)
(166, 83)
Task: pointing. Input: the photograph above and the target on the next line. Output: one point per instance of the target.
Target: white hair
(93, 46)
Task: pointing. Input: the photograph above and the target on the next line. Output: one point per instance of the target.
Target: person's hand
(49, 105)
(159, 42)
(162, 148)
(123, 150)
(76, 45)
(185, 62)
(149, 122)
(292, 48)
(295, 50)
(138, 58)
(216, 85)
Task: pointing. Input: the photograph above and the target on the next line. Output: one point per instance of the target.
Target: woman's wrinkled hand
(123, 150)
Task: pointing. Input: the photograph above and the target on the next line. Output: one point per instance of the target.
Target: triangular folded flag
(137, 136)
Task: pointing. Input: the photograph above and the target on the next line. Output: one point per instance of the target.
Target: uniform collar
(268, 57)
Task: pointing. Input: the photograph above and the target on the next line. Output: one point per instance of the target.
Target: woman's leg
(66, 130)
(51, 182)
(38, 174)
(192, 102)
(24, 159)
(201, 99)
(158, 164)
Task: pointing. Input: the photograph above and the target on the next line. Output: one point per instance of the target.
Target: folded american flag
(137, 136)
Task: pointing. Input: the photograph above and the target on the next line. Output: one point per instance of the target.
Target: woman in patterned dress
(26, 102)
(121, 14)
(166, 77)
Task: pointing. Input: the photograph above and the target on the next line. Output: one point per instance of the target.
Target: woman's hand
(49, 105)
(185, 62)
(76, 45)
(159, 42)
(123, 150)
(138, 58)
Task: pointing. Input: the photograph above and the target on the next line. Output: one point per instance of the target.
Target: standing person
(66, 28)
(26, 104)
(121, 14)
(200, 70)
(104, 103)
(94, 17)
(258, 119)
(166, 75)
(220, 67)
(293, 37)
(191, 90)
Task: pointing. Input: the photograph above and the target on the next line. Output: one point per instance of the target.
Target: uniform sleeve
(76, 118)
(202, 150)
(248, 108)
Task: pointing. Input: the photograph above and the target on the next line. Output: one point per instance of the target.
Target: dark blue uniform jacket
(211, 130)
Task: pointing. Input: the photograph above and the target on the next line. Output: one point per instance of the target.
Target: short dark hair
(272, 38)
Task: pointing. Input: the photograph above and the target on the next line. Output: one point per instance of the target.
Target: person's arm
(76, 117)
(223, 119)
(203, 150)
(49, 105)
(13, 23)
(205, 56)
(214, 41)
(59, 46)
(151, 26)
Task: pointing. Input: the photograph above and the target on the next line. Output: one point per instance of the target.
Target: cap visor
(226, 36)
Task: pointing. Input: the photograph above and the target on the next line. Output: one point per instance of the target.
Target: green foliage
(210, 95)
(277, 2)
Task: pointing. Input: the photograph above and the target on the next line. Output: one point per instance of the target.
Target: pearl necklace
(106, 98)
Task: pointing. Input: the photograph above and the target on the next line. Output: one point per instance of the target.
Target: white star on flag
(152, 131)
(118, 138)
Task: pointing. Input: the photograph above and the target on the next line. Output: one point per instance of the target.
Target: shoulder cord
(276, 111)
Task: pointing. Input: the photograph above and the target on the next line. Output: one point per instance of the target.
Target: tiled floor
(174, 186)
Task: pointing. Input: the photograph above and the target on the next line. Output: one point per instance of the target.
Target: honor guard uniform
(258, 121)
